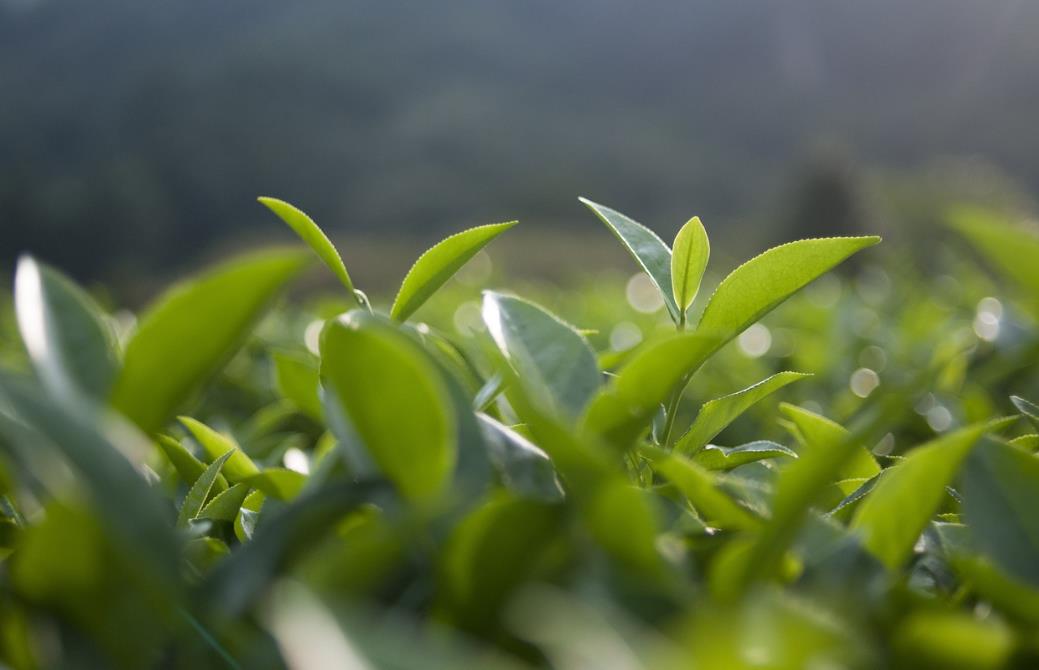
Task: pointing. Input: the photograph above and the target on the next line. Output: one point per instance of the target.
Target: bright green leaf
(395, 400)
(701, 488)
(820, 433)
(279, 483)
(689, 258)
(226, 505)
(239, 466)
(717, 414)
(1009, 248)
(713, 457)
(188, 468)
(314, 237)
(438, 264)
(191, 332)
(759, 285)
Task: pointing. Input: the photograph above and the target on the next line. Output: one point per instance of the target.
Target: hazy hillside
(149, 127)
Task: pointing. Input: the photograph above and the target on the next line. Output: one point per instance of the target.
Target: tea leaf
(71, 346)
(716, 415)
(224, 506)
(1028, 409)
(313, 236)
(1000, 495)
(380, 376)
(896, 511)
(239, 466)
(439, 264)
(689, 258)
(645, 246)
(1010, 249)
(188, 468)
(759, 285)
(713, 457)
(296, 378)
(550, 357)
(188, 335)
(279, 483)
(820, 433)
(700, 487)
(199, 491)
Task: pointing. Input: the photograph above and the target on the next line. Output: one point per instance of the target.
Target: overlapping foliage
(206, 488)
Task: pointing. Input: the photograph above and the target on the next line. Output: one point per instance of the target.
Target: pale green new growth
(313, 236)
(689, 257)
(440, 263)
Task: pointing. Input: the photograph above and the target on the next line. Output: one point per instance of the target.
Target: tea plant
(207, 487)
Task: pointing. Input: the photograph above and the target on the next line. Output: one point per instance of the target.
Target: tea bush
(228, 481)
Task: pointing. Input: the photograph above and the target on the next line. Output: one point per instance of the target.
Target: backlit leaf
(188, 335)
(438, 264)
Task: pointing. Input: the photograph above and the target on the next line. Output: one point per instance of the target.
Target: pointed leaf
(716, 415)
(713, 457)
(72, 348)
(821, 433)
(314, 237)
(188, 468)
(1000, 489)
(438, 264)
(395, 400)
(759, 285)
(224, 506)
(899, 507)
(199, 491)
(524, 469)
(239, 466)
(622, 410)
(1028, 409)
(689, 258)
(645, 246)
(553, 361)
(188, 335)
(701, 488)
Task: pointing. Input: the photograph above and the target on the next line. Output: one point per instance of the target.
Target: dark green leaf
(553, 361)
(645, 246)
(1000, 498)
(199, 491)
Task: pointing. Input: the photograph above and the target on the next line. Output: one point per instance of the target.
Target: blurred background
(135, 136)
